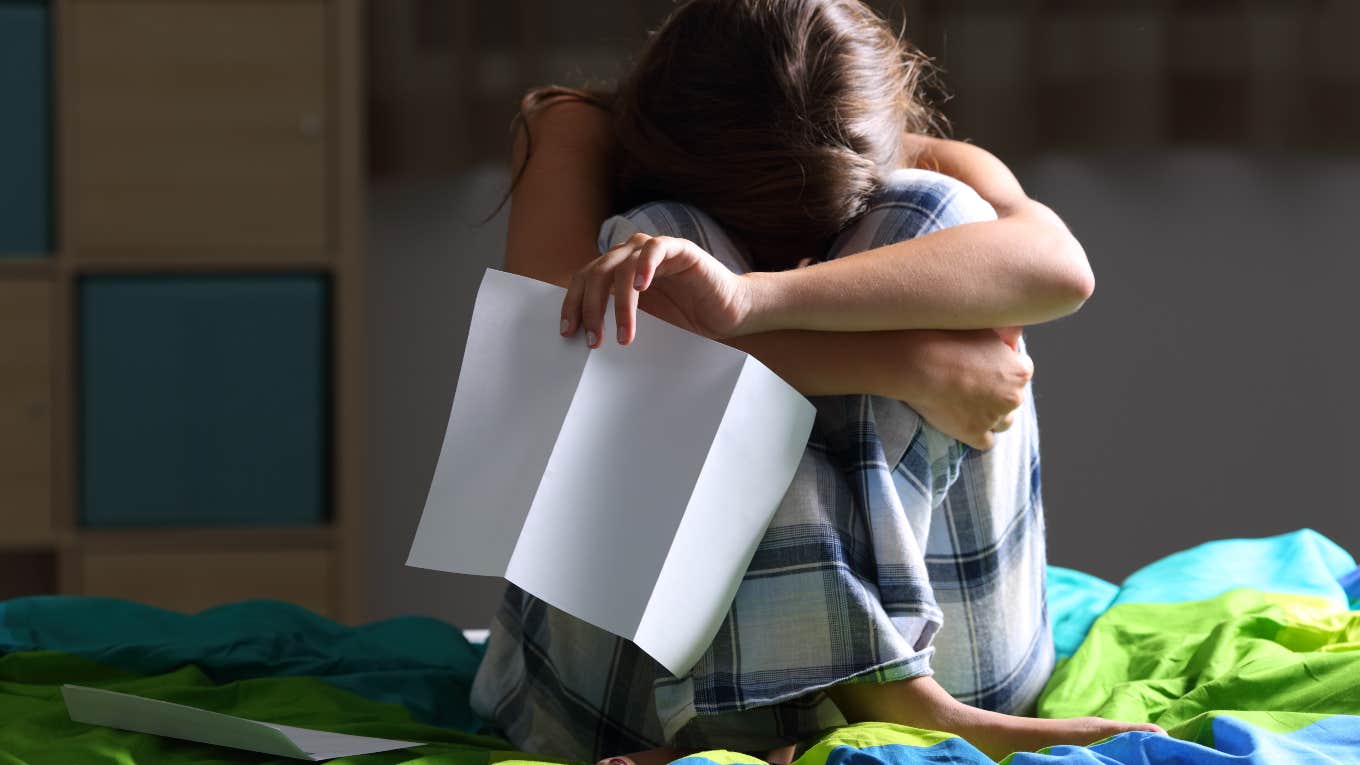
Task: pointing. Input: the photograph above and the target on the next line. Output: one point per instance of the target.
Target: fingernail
(637, 282)
(590, 339)
(622, 336)
(566, 325)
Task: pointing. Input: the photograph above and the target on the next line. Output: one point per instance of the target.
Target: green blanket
(1245, 650)
(405, 678)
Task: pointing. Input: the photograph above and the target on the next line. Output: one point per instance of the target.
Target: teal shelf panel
(203, 400)
(25, 130)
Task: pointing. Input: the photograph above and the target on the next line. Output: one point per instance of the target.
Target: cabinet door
(198, 129)
(203, 400)
(25, 411)
(25, 190)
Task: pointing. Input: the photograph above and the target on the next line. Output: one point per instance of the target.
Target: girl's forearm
(833, 363)
(964, 383)
(888, 364)
(1018, 270)
(1023, 268)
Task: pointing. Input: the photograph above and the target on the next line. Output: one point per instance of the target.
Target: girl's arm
(1023, 268)
(963, 383)
(562, 195)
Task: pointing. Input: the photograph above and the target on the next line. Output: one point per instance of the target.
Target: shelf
(201, 261)
(26, 265)
(161, 539)
(183, 578)
(32, 544)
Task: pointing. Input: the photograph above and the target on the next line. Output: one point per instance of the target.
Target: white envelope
(627, 485)
(96, 706)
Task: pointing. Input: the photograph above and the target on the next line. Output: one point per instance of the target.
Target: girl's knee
(913, 202)
(949, 201)
(659, 218)
(677, 219)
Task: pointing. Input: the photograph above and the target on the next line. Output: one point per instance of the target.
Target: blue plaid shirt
(896, 552)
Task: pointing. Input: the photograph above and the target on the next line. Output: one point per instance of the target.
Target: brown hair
(777, 117)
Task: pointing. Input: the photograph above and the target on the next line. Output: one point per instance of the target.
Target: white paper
(627, 485)
(96, 706)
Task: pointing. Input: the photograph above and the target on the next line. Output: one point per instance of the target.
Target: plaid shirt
(895, 553)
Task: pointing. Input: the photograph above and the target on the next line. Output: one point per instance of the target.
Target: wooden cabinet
(181, 377)
(25, 411)
(197, 130)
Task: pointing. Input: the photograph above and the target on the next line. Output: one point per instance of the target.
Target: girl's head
(777, 117)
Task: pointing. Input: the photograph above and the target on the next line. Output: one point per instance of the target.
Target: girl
(771, 156)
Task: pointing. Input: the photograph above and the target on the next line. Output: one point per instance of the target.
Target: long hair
(777, 117)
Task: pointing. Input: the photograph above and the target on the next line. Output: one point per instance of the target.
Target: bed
(1246, 651)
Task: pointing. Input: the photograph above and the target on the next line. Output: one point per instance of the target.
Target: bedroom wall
(1207, 389)
(1204, 391)
(430, 253)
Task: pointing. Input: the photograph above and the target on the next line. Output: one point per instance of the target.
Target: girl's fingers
(633, 276)
(649, 259)
(627, 246)
(571, 304)
(670, 255)
(599, 281)
(1010, 336)
(625, 270)
(625, 299)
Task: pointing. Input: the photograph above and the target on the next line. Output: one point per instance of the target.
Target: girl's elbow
(1066, 274)
(1076, 282)
(1083, 280)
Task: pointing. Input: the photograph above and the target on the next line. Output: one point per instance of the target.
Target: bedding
(1246, 651)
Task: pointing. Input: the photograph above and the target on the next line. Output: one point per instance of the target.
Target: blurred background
(240, 241)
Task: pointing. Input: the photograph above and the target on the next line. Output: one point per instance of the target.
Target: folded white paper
(95, 706)
(626, 485)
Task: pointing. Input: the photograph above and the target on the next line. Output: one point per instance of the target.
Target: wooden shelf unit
(203, 137)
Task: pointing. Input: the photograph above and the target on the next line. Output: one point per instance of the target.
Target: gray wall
(1203, 392)
(427, 253)
(1208, 387)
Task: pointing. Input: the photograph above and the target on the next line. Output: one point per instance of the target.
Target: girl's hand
(705, 297)
(969, 382)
